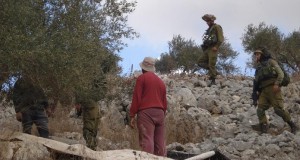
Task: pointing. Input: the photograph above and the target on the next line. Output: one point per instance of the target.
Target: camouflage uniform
(31, 101)
(213, 37)
(88, 98)
(91, 119)
(268, 74)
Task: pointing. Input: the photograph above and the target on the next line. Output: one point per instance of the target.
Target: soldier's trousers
(208, 60)
(37, 117)
(91, 119)
(269, 99)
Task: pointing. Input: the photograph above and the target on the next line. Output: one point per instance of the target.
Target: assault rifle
(255, 93)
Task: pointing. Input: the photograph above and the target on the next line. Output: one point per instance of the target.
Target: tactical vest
(210, 38)
(265, 71)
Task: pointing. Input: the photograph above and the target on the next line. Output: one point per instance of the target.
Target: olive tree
(184, 54)
(64, 45)
(284, 48)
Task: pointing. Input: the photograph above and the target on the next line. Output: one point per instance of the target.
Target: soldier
(212, 39)
(90, 118)
(30, 105)
(268, 77)
(86, 103)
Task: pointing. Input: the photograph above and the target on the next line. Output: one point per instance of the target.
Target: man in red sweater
(149, 103)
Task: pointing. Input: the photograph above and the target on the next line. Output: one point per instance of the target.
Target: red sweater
(149, 91)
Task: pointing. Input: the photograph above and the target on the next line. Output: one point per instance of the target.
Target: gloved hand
(19, 116)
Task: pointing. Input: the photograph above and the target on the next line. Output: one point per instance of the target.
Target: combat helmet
(265, 54)
(209, 17)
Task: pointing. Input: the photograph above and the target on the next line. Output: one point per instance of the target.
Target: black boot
(264, 128)
(293, 127)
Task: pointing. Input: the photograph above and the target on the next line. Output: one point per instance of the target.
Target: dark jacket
(26, 96)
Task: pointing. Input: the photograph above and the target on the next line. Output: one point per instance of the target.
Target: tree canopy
(184, 54)
(64, 45)
(284, 48)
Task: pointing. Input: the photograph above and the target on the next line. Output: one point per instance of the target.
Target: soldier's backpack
(286, 78)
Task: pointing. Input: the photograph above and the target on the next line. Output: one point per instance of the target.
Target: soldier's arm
(219, 36)
(278, 70)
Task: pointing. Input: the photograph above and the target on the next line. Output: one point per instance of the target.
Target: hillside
(199, 119)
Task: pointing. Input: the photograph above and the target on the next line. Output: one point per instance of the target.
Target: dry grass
(295, 77)
(61, 122)
(122, 138)
(112, 138)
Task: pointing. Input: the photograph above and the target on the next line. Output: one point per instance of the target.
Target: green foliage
(262, 35)
(64, 46)
(291, 51)
(184, 54)
(284, 49)
(226, 57)
(166, 64)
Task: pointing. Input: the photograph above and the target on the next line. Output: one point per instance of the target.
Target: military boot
(264, 128)
(293, 127)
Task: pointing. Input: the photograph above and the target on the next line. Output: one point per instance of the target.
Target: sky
(158, 21)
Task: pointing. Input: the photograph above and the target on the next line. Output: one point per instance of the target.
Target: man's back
(150, 91)
(25, 94)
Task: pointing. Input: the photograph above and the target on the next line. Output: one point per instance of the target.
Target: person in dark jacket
(31, 106)
(268, 77)
(149, 103)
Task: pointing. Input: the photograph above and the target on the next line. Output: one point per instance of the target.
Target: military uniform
(31, 102)
(268, 74)
(213, 38)
(90, 117)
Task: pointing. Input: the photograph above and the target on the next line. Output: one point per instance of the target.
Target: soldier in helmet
(212, 39)
(268, 77)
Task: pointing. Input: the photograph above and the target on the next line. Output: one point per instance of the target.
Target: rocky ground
(199, 119)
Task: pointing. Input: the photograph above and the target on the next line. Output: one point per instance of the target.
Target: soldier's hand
(214, 48)
(276, 88)
(78, 109)
(19, 116)
(132, 122)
